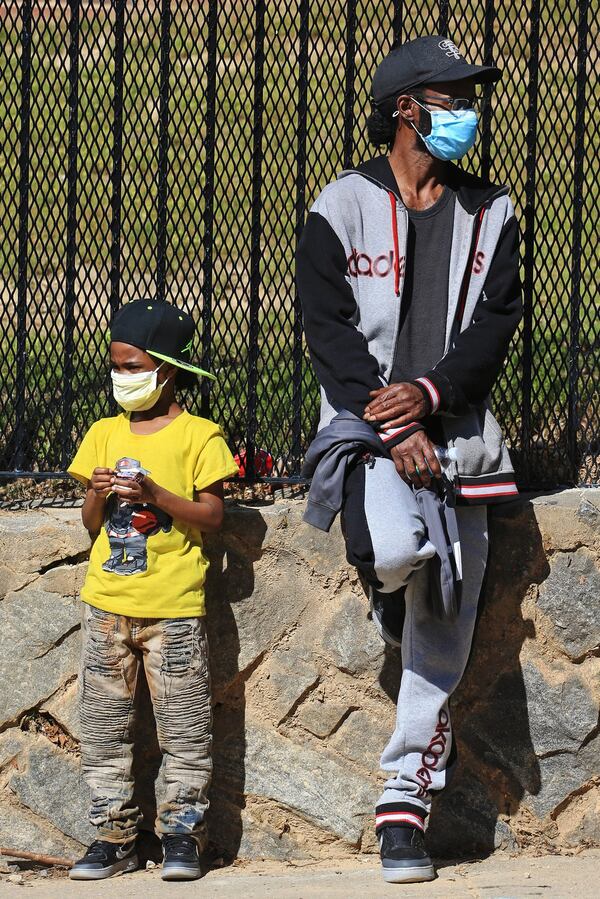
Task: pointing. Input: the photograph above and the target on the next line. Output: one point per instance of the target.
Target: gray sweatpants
(386, 539)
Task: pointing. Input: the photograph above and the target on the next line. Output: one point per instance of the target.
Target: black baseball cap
(160, 329)
(424, 61)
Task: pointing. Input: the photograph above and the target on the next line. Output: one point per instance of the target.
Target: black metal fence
(172, 149)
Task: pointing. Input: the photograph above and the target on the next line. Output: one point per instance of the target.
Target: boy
(154, 477)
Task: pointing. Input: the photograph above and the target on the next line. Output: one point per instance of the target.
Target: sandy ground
(498, 877)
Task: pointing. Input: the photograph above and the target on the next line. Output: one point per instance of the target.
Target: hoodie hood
(472, 192)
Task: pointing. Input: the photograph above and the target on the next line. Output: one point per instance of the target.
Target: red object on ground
(263, 463)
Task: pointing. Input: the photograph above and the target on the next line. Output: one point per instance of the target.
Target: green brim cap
(181, 364)
(160, 329)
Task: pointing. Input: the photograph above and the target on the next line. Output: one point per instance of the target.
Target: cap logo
(188, 347)
(449, 48)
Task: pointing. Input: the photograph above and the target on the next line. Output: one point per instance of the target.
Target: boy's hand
(140, 489)
(101, 481)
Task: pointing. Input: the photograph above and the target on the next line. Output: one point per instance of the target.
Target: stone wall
(304, 691)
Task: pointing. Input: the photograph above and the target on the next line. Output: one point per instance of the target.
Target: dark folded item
(437, 508)
(335, 447)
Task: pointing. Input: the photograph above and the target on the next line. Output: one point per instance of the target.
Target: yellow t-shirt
(143, 563)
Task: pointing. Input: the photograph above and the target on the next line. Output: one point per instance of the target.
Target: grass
(233, 197)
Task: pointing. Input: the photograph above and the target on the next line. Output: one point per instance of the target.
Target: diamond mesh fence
(172, 150)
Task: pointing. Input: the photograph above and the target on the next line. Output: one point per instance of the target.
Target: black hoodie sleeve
(339, 352)
(466, 374)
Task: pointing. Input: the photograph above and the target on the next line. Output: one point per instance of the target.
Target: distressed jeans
(174, 652)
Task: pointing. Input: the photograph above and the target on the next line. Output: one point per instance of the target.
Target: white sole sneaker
(174, 872)
(409, 874)
(126, 866)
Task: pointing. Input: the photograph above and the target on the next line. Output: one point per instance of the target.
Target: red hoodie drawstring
(464, 287)
(395, 236)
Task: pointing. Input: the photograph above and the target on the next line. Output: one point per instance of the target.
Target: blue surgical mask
(452, 133)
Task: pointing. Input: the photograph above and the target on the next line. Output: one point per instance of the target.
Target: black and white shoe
(181, 857)
(404, 858)
(104, 859)
(387, 612)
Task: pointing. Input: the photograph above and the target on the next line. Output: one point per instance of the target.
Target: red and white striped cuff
(432, 393)
(384, 818)
(480, 491)
(388, 435)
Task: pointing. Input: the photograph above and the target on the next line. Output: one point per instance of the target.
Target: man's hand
(396, 405)
(140, 489)
(101, 481)
(411, 458)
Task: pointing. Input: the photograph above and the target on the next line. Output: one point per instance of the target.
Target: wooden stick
(35, 857)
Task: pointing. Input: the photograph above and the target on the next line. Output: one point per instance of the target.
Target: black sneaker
(387, 612)
(104, 859)
(404, 858)
(181, 857)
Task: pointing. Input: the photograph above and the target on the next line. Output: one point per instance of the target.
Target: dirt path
(498, 877)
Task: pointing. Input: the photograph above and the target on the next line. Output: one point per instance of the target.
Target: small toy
(129, 469)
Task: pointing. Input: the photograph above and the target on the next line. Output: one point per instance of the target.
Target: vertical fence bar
(20, 456)
(397, 23)
(349, 83)
(117, 159)
(529, 252)
(256, 231)
(163, 151)
(71, 260)
(209, 202)
(578, 184)
(23, 239)
(443, 19)
(486, 140)
(297, 351)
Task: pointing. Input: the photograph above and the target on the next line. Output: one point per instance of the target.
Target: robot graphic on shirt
(128, 525)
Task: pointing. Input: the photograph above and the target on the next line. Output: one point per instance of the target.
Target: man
(408, 275)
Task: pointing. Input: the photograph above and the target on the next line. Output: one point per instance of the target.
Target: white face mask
(138, 392)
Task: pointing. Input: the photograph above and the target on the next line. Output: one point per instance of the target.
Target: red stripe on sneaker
(432, 390)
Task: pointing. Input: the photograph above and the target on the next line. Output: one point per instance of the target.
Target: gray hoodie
(350, 275)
